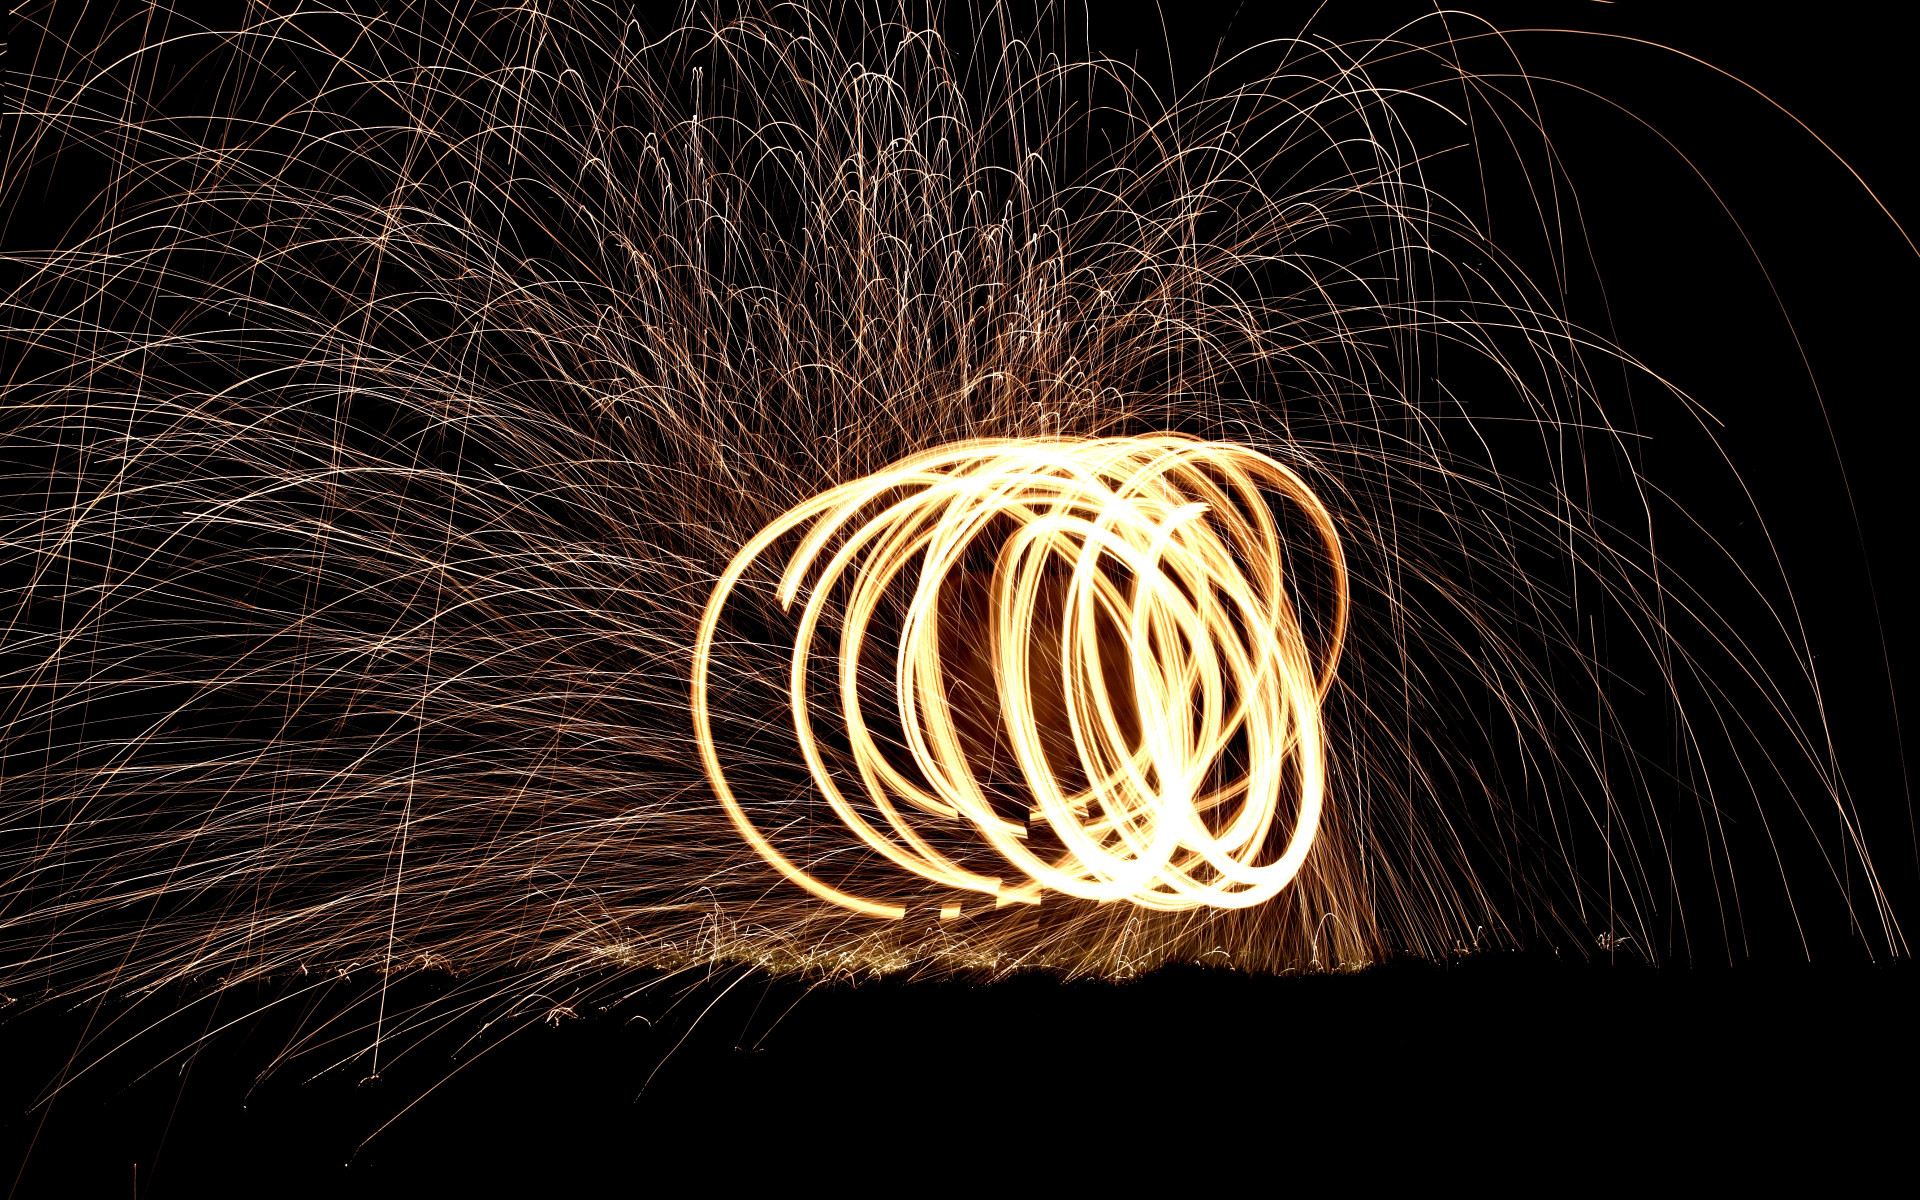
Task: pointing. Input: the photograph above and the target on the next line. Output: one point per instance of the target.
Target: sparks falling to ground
(445, 451)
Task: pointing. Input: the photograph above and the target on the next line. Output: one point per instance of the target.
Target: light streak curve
(1164, 545)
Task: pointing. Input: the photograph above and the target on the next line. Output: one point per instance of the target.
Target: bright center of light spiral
(1185, 747)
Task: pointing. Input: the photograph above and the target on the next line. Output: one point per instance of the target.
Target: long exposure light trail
(1166, 544)
(562, 497)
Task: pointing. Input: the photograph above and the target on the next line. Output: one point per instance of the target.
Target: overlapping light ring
(1214, 642)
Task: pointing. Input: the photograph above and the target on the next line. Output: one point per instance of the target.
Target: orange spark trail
(1166, 542)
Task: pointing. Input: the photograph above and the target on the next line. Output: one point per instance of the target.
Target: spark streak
(1213, 650)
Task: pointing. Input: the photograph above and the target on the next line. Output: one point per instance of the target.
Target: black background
(1528, 1066)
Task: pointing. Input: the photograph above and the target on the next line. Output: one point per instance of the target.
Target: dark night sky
(1608, 1069)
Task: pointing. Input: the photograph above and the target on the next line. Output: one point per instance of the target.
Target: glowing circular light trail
(1183, 755)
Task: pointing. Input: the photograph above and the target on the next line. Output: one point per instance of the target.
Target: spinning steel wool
(1212, 650)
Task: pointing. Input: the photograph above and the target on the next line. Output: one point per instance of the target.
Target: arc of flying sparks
(1168, 545)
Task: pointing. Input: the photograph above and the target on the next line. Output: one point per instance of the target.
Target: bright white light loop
(1171, 547)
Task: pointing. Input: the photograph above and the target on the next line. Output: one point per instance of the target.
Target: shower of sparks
(381, 448)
